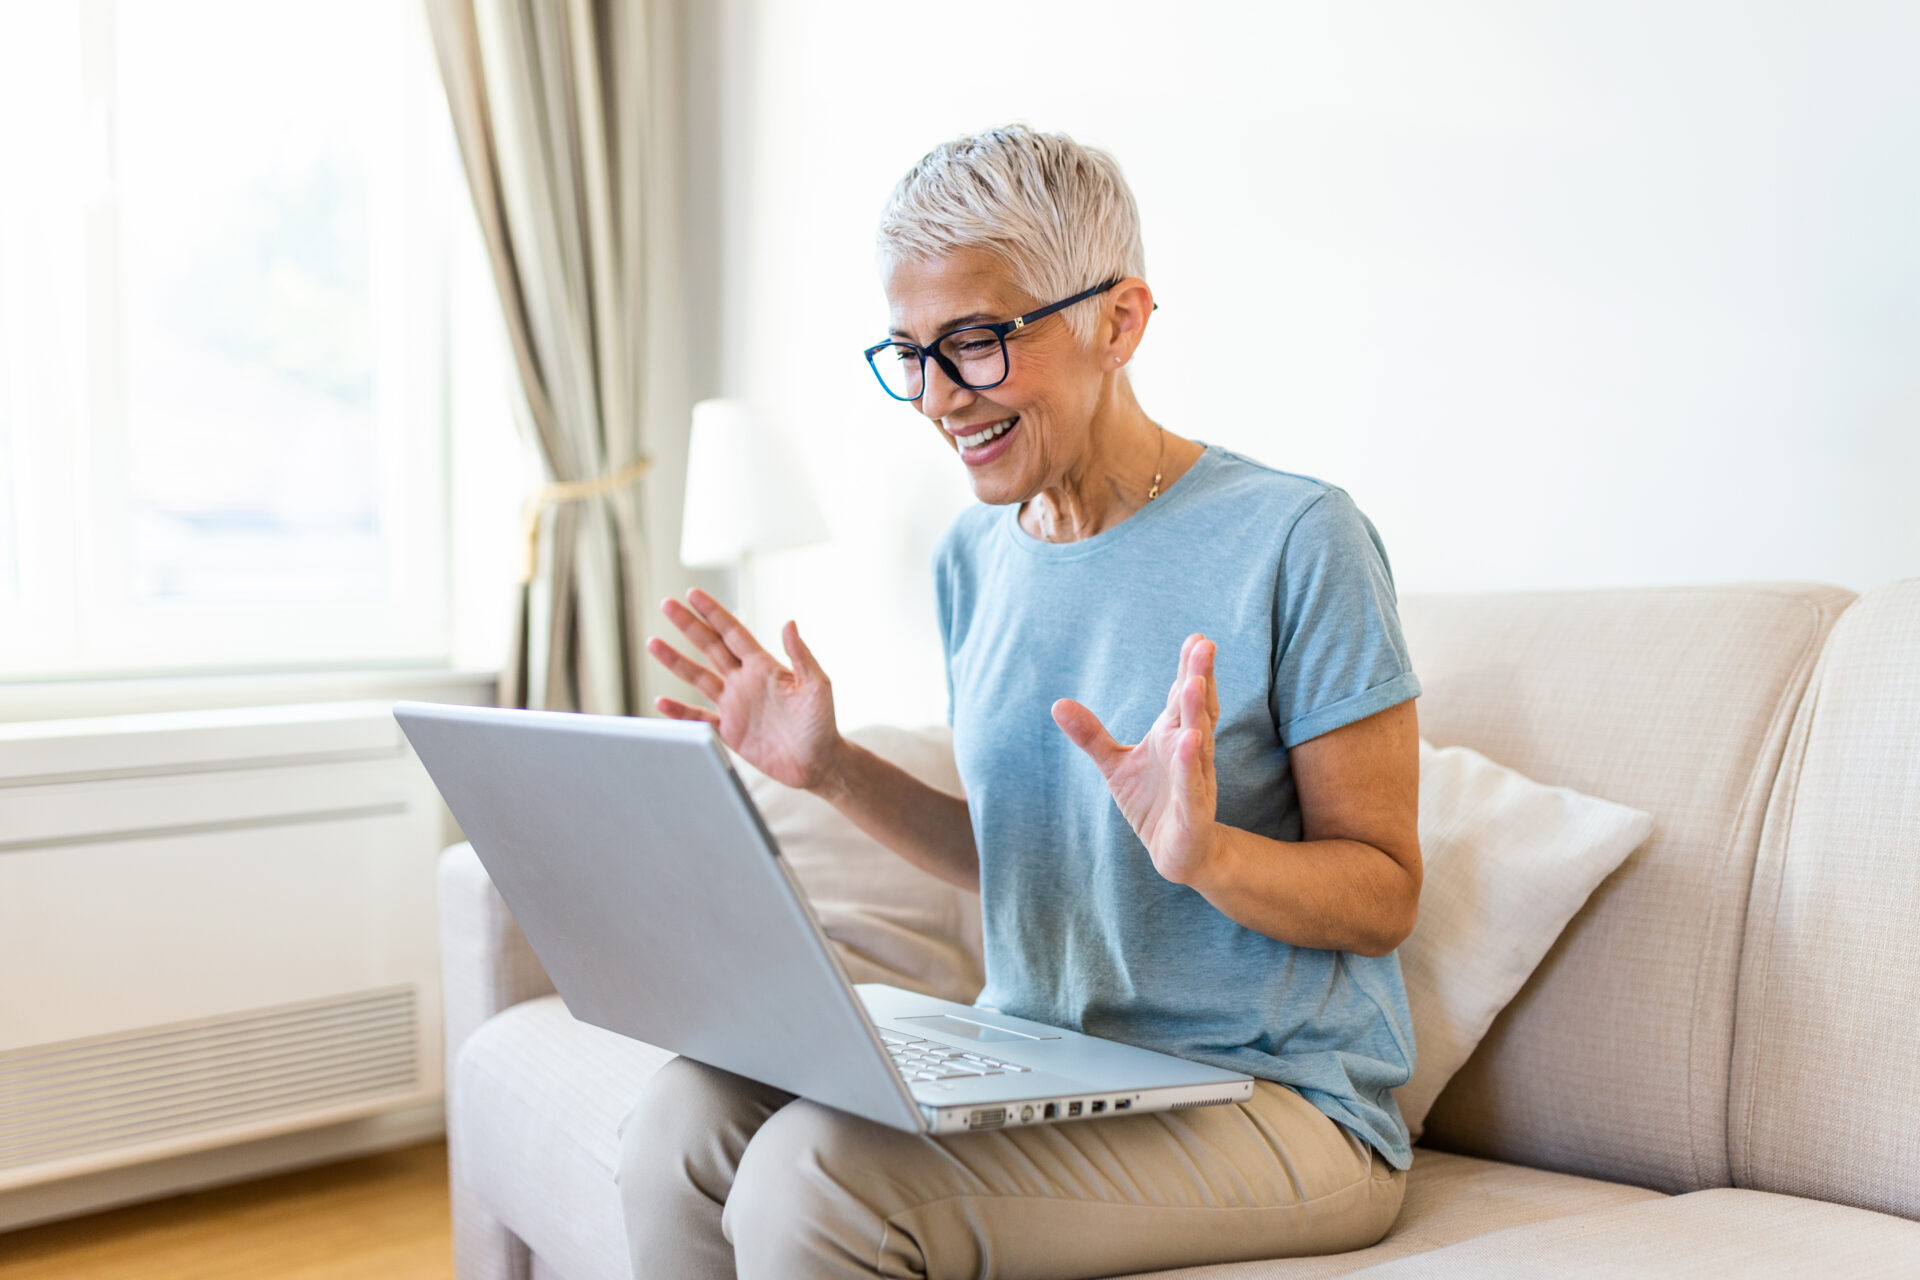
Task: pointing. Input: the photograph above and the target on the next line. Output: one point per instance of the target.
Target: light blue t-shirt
(1291, 581)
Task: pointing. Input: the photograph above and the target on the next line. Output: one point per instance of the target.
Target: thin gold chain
(1155, 491)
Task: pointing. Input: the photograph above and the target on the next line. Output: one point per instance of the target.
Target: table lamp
(747, 492)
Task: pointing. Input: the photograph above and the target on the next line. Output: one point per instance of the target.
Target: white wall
(1565, 295)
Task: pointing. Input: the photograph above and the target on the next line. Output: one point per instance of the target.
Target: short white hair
(1058, 213)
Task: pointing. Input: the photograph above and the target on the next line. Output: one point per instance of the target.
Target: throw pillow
(1508, 862)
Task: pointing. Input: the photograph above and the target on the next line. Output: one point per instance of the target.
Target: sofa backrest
(889, 922)
(1613, 1060)
(1826, 1061)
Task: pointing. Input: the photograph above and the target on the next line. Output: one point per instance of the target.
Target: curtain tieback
(548, 495)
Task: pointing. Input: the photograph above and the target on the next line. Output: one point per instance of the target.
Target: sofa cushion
(889, 921)
(1828, 1033)
(1612, 1061)
(486, 964)
(1449, 1198)
(1508, 861)
(1749, 1234)
(537, 1131)
(543, 1097)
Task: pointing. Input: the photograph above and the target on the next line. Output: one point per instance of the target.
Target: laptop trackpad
(946, 1024)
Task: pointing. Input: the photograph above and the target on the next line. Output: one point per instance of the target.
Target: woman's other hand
(779, 720)
(1164, 784)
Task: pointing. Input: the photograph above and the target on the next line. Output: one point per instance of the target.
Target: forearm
(1334, 895)
(927, 827)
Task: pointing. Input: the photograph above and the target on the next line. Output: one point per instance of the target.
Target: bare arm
(1352, 885)
(780, 720)
(928, 828)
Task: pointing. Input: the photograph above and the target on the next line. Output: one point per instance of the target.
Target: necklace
(1153, 491)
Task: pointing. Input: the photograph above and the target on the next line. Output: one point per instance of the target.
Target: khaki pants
(720, 1176)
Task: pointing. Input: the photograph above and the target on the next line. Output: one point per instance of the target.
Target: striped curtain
(565, 112)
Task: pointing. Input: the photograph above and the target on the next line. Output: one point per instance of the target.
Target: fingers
(700, 635)
(1193, 706)
(713, 630)
(1202, 668)
(1180, 671)
(1086, 732)
(678, 710)
(1202, 661)
(805, 665)
(732, 632)
(1199, 697)
(1196, 662)
(684, 667)
(1191, 752)
(1186, 756)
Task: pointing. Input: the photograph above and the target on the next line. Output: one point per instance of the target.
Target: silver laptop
(646, 882)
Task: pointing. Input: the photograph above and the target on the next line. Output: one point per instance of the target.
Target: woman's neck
(1126, 450)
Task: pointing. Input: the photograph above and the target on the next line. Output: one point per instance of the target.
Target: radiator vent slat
(228, 1086)
(80, 1097)
(195, 1037)
(155, 1071)
(316, 1095)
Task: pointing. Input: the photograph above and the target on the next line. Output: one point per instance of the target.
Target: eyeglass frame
(1000, 331)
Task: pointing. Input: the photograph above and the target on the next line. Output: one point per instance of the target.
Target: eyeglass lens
(978, 355)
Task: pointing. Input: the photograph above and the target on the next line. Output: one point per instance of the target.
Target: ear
(1129, 307)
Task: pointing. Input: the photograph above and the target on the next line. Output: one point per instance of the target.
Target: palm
(779, 719)
(1164, 784)
(776, 721)
(1153, 797)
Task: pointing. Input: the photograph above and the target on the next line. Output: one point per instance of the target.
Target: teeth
(985, 434)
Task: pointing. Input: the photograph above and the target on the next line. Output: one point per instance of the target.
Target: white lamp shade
(747, 490)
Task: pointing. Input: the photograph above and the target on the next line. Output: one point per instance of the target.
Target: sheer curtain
(565, 111)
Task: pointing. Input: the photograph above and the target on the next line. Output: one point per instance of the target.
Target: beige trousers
(722, 1177)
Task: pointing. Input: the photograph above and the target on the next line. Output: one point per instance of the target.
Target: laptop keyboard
(920, 1060)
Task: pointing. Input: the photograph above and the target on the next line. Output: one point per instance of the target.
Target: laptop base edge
(1067, 1108)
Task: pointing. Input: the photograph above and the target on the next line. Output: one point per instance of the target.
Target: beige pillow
(890, 921)
(1508, 862)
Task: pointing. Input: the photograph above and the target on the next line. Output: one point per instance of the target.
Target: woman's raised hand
(779, 720)
(1164, 784)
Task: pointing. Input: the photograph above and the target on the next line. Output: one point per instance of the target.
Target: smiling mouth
(987, 433)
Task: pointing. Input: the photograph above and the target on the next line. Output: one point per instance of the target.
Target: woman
(1230, 888)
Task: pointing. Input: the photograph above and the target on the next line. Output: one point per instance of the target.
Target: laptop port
(1052, 1111)
(1121, 1104)
(1098, 1107)
(1073, 1109)
(1026, 1115)
(990, 1118)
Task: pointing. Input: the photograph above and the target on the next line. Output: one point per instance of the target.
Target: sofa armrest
(485, 962)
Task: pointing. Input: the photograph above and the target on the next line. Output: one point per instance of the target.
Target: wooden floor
(379, 1216)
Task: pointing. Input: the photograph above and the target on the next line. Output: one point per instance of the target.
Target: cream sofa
(1716, 1071)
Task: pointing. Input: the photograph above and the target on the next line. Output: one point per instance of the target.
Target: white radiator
(214, 926)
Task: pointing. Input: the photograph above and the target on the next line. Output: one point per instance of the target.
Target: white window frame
(74, 615)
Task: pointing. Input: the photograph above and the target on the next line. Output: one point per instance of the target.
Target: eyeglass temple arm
(1018, 322)
(1021, 322)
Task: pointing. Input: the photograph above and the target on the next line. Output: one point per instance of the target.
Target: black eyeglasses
(974, 357)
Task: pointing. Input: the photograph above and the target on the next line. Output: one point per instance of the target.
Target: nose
(942, 395)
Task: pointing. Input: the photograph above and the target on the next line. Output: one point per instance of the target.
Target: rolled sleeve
(1340, 654)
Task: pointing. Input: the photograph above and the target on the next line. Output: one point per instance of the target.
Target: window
(223, 302)
(9, 560)
(9, 568)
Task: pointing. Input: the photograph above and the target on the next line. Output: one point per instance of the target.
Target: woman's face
(1053, 386)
